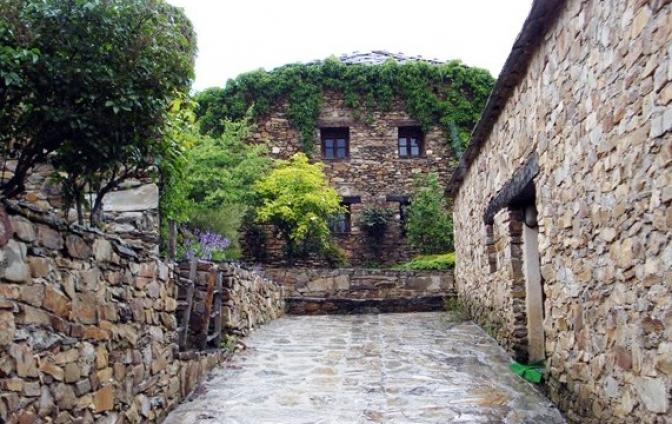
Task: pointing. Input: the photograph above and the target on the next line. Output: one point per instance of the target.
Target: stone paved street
(389, 368)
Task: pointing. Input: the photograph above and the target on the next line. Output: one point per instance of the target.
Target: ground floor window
(341, 223)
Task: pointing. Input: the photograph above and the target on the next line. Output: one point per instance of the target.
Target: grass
(441, 262)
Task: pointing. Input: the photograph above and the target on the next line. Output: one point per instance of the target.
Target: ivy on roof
(451, 95)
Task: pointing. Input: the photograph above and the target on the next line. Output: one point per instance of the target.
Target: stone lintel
(335, 122)
(403, 123)
(395, 197)
(515, 190)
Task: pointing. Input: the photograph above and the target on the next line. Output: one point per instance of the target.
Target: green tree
(222, 169)
(217, 180)
(296, 198)
(429, 227)
(90, 85)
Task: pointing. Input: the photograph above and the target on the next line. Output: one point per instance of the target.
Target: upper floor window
(335, 143)
(410, 142)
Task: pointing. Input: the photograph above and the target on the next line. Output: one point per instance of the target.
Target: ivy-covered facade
(374, 123)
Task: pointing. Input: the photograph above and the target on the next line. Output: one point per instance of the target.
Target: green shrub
(456, 309)
(373, 221)
(225, 220)
(429, 226)
(441, 262)
(334, 256)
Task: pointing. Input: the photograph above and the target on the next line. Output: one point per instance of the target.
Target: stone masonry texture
(88, 325)
(595, 105)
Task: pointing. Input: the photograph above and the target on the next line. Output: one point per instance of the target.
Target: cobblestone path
(388, 368)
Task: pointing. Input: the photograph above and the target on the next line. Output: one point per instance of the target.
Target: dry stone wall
(248, 299)
(347, 290)
(372, 172)
(596, 105)
(88, 325)
(131, 211)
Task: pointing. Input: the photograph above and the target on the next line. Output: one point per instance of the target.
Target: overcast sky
(236, 36)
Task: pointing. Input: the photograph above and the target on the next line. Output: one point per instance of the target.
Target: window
(404, 203)
(340, 223)
(335, 143)
(403, 216)
(410, 142)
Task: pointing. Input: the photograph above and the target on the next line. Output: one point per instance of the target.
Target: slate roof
(378, 57)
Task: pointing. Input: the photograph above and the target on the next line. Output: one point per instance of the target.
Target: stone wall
(248, 299)
(595, 104)
(372, 172)
(315, 290)
(88, 327)
(131, 211)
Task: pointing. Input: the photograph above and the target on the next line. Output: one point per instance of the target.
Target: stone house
(563, 207)
(370, 162)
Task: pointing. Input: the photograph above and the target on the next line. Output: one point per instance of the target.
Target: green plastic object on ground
(533, 372)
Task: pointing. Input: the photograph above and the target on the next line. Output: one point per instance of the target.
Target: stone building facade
(563, 207)
(370, 167)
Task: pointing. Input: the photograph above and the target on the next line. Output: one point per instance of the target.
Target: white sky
(236, 36)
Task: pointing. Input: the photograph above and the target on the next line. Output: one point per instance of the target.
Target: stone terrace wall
(87, 327)
(362, 290)
(372, 171)
(596, 105)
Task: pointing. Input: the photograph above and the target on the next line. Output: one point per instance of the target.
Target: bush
(296, 198)
(429, 227)
(226, 219)
(203, 245)
(373, 221)
(442, 262)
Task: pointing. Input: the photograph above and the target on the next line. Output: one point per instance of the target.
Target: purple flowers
(207, 245)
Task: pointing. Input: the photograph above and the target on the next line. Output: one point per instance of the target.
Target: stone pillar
(533, 291)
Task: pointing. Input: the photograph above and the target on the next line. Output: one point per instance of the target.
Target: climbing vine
(448, 95)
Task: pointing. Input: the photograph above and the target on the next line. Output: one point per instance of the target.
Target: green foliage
(209, 185)
(452, 93)
(429, 227)
(226, 220)
(93, 81)
(374, 220)
(229, 342)
(441, 262)
(334, 256)
(222, 169)
(181, 136)
(297, 200)
(458, 311)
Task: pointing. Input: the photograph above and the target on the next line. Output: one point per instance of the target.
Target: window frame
(409, 133)
(341, 219)
(334, 134)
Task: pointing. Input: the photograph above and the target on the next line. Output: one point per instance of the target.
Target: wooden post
(205, 325)
(189, 298)
(216, 336)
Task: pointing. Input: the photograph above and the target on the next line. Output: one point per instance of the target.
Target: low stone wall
(250, 300)
(88, 326)
(322, 306)
(385, 290)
